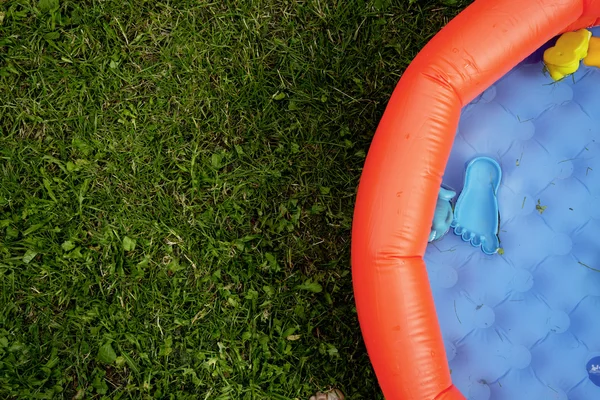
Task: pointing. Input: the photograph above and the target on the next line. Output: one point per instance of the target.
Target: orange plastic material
(403, 172)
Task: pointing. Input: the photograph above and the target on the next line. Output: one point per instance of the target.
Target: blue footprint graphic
(476, 211)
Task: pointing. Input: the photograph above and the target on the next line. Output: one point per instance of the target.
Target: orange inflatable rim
(403, 172)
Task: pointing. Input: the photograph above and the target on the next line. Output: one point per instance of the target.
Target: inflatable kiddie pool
(444, 320)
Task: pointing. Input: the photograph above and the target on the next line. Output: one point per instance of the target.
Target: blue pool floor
(525, 324)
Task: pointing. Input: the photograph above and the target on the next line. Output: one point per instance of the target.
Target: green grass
(177, 182)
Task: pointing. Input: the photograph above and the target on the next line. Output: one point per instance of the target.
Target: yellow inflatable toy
(563, 58)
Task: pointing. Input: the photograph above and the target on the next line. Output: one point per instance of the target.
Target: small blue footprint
(476, 211)
(443, 216)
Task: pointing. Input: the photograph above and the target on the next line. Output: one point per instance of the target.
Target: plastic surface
(403, 172)
(525, 324)
(476, 213)
(443, 215)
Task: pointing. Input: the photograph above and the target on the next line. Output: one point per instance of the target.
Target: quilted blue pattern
(525, 324)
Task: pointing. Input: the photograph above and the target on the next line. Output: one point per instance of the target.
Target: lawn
(177, 181)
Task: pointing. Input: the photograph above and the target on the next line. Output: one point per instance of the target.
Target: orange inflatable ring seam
(403, 171)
